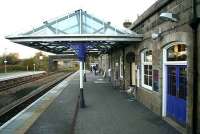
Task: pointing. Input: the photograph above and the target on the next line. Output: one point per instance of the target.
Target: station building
(161, 62)
(161, 67)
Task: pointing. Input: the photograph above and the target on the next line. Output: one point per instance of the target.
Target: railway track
(15, 107)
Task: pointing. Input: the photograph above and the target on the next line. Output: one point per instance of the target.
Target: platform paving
(57, 118)
(107, 111)
(50, 114)
(110, 112)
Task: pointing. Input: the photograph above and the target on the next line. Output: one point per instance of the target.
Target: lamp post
(40, 59)
(5, 61)
(34, 67)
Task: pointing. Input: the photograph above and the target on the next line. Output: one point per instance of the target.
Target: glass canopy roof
(57, 35)
(79, 22)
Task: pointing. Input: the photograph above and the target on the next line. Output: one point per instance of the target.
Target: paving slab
(110, 112)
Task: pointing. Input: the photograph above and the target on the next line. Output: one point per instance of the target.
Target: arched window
(177, 52)
(146, 62)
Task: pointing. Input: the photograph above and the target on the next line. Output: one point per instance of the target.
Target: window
(146, 60)
(121, 67)
(177, 52)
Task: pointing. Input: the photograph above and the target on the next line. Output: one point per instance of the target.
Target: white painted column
(84, 73)
(81, 74)
(82, 100)
(84, 68)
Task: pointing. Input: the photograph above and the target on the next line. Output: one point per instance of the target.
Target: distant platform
(13, 75)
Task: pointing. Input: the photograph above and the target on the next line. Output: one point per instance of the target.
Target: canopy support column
(82, 100)
(84, 75)
(80, 50)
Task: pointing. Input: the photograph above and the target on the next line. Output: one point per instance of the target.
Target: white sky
(22, 15)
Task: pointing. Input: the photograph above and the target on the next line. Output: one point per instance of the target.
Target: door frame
(164, 70)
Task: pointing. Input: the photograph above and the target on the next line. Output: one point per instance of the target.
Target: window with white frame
(121, 67)
(146, 64)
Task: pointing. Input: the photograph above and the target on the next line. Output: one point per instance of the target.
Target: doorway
(174, 98)
(176, 92)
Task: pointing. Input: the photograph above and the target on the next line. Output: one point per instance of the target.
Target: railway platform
(107, 111)
(13, 75)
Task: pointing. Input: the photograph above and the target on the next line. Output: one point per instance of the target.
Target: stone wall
(52, 65)
(169, 32)
(127, 66)
(104, 64)
(53, 61)
(115, 69)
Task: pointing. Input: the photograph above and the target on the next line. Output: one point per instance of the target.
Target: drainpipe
(123, 68)
(130, 73)
(194, 25)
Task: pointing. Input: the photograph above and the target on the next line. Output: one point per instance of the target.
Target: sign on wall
(155, 80)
